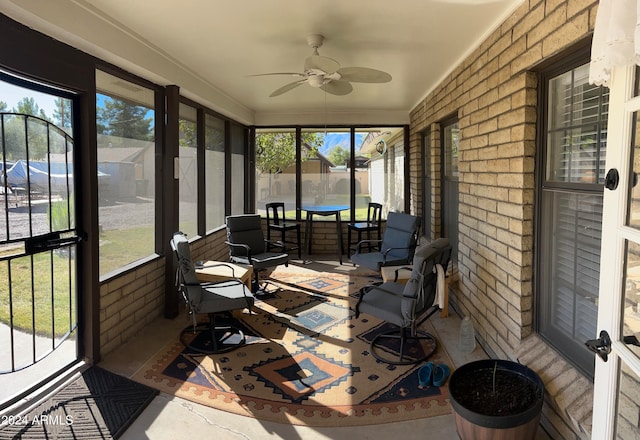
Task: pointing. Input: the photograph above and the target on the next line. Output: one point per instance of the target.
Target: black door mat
(97, 405)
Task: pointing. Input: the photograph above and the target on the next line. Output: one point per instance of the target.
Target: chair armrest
(247, 249)
(384, 254)
(222, 283)
(362, 292)
(365, 242)
(395, 278)
(233, 272)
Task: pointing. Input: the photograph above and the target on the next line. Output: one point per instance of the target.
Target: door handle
(612, 179)
(600, 346)
(49, 241)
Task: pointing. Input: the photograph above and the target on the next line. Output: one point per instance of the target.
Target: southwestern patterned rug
(306, 361)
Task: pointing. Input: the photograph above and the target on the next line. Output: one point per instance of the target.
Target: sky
(13, 94)
(342, 139)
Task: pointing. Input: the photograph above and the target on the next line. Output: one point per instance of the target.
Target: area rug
(97, 405)
(306, 361)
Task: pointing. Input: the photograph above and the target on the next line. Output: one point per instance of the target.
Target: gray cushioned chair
(407, 306)
(247, 245)
(396, 247)
(212, 299)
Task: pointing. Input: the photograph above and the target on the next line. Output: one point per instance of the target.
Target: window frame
(352, 129)
(159, 136)
(571, 350)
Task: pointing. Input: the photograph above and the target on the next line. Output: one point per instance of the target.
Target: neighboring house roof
(319, 156)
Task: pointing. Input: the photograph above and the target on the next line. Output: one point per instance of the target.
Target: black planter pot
(496, 399)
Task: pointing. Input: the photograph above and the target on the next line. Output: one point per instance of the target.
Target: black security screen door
(38, 289)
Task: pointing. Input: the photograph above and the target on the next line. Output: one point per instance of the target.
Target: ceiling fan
(325, 73)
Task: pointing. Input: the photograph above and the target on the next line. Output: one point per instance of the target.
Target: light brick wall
(494, 95)
(129, 302)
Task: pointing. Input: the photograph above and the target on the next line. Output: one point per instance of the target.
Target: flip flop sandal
(440, 375)
(424, 374)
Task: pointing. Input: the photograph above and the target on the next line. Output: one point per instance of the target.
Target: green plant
(59, 214)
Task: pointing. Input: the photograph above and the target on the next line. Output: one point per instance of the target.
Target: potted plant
(496, 399)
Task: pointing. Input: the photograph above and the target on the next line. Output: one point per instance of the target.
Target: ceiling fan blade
(338, 87)
(279, 73)
(325, 64)
(363, 75)
(286, 88)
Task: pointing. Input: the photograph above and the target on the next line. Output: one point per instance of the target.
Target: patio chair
(212, 299)
(407, 306)
(396, 247)
(276, 221)
(247, 246)
(373, 223)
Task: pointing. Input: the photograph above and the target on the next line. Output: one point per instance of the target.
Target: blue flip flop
(440, 375)
(424, 374)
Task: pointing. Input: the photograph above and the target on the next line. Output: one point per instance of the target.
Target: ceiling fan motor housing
(315, 40)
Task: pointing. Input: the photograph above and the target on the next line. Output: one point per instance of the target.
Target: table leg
(339, 230)
(307, 232)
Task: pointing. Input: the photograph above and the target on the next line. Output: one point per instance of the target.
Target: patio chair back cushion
(420, 291)
(400, 235)
(187, 271)
(246, 229)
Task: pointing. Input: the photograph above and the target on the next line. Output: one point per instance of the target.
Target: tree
(3, 106)
(188, 133)
(119, 118)
(276, 151)
(15, 128)
(28, 106)
(339, 155)
(62, 114)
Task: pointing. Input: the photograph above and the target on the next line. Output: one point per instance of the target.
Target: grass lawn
(123, 246)
(52, 300)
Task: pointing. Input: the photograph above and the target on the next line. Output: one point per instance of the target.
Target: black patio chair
(247, 245)
(212, 299)
(276, 221)
(373, 223)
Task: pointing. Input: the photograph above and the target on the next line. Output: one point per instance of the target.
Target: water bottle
(467, 339)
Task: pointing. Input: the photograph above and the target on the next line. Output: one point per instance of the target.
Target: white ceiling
(210, 48)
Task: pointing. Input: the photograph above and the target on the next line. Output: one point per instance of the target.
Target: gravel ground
(116, 215)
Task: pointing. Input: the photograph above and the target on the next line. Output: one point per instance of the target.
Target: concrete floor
(172, 418)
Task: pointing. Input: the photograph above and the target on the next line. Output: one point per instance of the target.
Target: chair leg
(299, 243)
(284, 243)
(348, 242)
(403, 336)
(220, 344)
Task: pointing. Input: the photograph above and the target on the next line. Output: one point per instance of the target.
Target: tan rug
(306, 361)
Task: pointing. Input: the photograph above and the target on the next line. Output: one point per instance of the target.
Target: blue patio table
(325, 211)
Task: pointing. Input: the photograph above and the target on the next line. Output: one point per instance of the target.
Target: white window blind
(571, 213)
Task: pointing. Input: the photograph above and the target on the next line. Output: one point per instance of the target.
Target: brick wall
(494, 95)
(129, 302)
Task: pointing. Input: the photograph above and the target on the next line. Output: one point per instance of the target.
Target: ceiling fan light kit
(325, 73)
